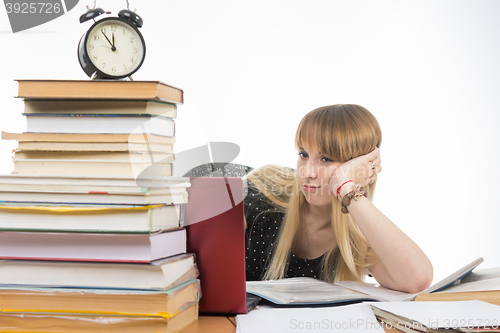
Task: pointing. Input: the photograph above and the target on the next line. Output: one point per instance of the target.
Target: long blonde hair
(342, 132)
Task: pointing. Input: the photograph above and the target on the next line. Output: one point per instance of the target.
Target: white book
(391, 295)
(436, 316)
(100, 124)
(486, 279)
(87, 188)
(100, 107)
(158, 275)
(82, 197)
(86, 180)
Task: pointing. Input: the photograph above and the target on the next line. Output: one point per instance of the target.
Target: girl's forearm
(402, 264)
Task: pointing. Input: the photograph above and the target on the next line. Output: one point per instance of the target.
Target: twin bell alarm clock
(113, 47)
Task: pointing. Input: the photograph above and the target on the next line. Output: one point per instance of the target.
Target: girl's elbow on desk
(413, 282)
(419, 282)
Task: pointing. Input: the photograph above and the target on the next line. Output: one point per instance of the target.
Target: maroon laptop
(216, 234)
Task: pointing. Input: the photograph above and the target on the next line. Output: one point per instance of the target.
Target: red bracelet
(338, 189)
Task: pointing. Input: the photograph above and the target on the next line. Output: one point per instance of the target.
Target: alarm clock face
(115, 48)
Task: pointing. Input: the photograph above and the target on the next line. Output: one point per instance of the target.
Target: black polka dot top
(264, 221)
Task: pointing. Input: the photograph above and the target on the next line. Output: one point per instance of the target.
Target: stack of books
(91, 219)
(97, 127)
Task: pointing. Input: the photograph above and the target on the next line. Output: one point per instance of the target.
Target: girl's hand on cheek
(362, 170)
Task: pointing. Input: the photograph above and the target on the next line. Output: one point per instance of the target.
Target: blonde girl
(318, 220)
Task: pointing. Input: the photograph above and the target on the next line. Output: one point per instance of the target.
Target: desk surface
(211, 324)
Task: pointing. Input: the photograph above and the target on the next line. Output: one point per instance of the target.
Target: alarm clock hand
(113, 48)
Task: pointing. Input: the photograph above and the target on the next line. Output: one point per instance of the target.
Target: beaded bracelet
(359, 191)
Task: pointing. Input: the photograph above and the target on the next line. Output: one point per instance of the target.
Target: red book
(216, 235)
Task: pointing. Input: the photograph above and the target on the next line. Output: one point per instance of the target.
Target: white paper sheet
(349, 318)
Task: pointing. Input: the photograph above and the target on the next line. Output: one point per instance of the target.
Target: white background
(428, 70)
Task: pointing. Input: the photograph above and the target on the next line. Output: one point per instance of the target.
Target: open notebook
(309, 291)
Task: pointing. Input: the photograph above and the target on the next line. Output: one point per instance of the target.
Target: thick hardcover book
(88, 138)
(100, 107)
(96, 156)
(43, 146)
(490, 296)
(101, 301)
(159, 275)
(483, 284)
(90, 218)
(99, 89)
(84, 323)
(438, 317)
(99, 247)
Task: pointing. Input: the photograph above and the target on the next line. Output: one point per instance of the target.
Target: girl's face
(314, 173)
